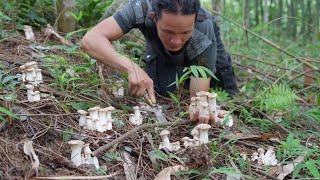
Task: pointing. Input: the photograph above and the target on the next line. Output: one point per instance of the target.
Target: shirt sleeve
(130, 15)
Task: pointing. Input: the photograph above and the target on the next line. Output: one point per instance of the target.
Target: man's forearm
(102, 49)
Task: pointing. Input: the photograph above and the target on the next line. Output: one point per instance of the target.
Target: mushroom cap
(212, 95)
(185, 139)
(28, 69)
(202, 93)
(136, 108)
(94, 108)
(82, 112)
(29, 64)
(35, 92)
(195, 131)
(203, 126)
(164, 132)
(23, 67)
(29, 86)
(203, 104)
(38, 70)
(110, 108)
(76, 142)
(103, 110)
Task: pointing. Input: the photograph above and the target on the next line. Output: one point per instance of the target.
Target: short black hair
(183, 7)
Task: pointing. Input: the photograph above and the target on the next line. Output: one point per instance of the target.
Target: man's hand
(140, 83)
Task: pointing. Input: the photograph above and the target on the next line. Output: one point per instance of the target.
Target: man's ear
(152, 15)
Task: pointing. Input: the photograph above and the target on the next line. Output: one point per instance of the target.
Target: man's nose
(176, 40)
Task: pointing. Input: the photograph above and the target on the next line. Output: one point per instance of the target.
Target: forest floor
(53, 121)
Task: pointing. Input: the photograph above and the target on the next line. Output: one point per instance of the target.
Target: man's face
(174, 30)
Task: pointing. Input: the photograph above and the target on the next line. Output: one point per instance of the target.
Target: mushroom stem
(76, 149)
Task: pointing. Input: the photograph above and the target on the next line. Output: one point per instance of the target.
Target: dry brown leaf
(28, 150)
(288, 169)
(167, 172)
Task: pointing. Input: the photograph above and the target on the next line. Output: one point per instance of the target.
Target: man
(178, 34)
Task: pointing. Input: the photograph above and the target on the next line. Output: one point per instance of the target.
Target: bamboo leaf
(8, 112)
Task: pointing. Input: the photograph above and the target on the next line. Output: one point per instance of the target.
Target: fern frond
(279, 97)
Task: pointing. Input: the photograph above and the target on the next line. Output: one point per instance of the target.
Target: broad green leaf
(158, 154)
(202, 73)
(174, 98)
(312, 167)
(194, 71)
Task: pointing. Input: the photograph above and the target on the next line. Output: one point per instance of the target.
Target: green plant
(111, 157)
(279, 97)
(7, 112)
(67, 134)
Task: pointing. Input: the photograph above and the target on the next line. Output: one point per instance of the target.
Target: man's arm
(97, 42)
(224, 65)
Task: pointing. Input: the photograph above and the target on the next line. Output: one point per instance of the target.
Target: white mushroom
(195, 133)
(136, 118)
(203, 95)
(76, 149)
(212, 105)
(87, 151)
(29, 33)
(38, 78)
(118, 89)
(35, 96)
(224, 118)
(186, 142)
(204, 110)
(193, 107)
(30, 74)
(270, 157)
(94, 112)
(90, 123)
(83, 118)
(101, 123)
(110, 120)
(203, 131)
(165, 140)
(88, 159)
(175, 146)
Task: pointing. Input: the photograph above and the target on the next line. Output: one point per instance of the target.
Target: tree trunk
(303, 24)
(293, 20)
(216, 6)
(265, 11)
(66, 22)
(317, 21)
(246, 18)
(279, 20)
(256, 12)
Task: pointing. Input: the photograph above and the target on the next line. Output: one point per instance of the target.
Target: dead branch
(135, 130)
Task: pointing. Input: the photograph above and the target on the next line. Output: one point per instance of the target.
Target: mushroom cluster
(204, 106)
(166, 144)
(265, 158)
(136, 118)
(199, 136)
(82, 154)
(96, 118)
(33, 76)
(31, 73)
(118, 89)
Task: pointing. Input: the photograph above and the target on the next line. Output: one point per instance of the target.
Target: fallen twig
(133, 131)
(79, 177)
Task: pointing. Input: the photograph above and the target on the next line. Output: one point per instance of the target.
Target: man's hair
(183, 7)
